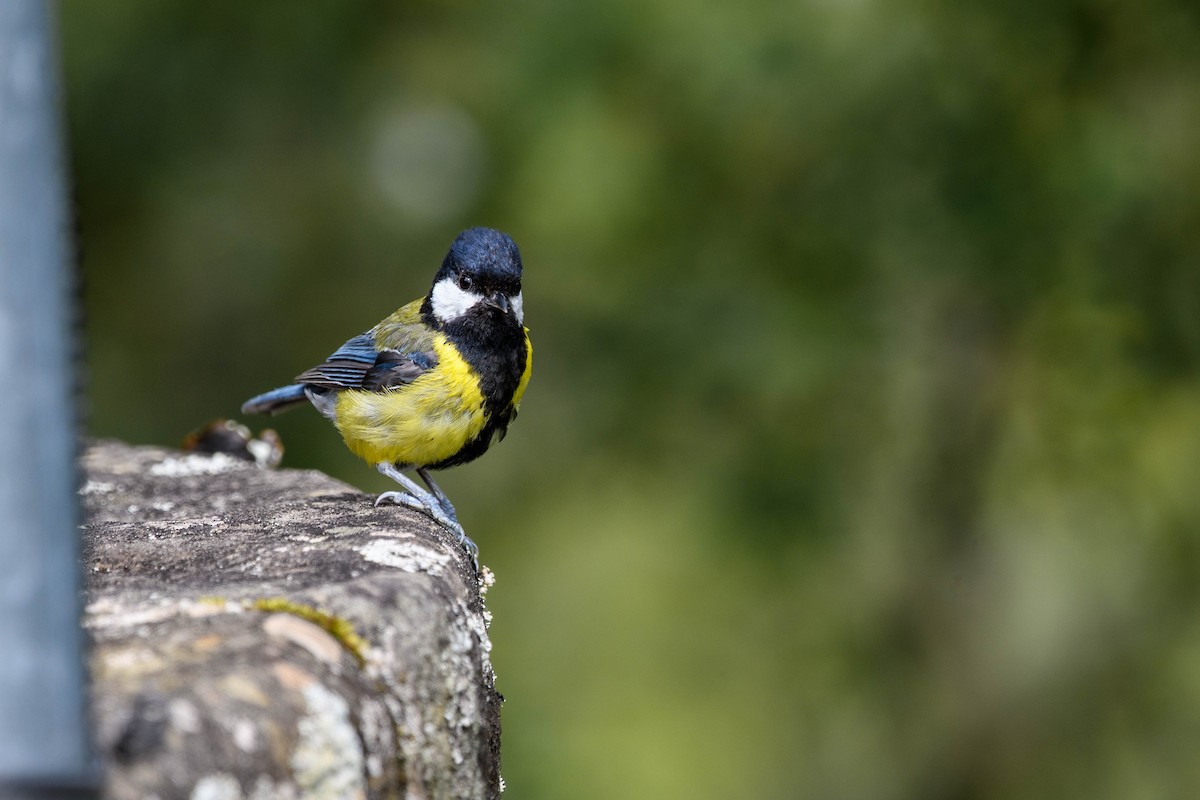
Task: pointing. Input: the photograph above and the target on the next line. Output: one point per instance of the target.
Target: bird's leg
(448, 508)
(412, 489)
(415, 497)
(437, 492)
(433, 503)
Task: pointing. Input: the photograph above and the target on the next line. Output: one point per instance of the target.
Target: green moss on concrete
(340, 629)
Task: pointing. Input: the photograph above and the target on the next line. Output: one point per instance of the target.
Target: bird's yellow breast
(420, 423)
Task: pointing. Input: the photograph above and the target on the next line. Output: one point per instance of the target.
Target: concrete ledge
(270, 634)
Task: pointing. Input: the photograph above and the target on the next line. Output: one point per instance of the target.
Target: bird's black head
(480, 276)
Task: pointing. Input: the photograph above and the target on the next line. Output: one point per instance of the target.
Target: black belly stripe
(495, 348)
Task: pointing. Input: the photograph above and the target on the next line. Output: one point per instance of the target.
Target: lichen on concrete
(410, 555)
(273, 634)
(327, 761)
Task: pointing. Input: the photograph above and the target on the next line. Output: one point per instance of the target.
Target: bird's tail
(275, 401)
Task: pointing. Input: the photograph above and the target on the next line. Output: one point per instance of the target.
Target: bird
(434, 384)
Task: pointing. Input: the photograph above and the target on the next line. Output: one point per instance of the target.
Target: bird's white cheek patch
(518, 306)
(449, 301)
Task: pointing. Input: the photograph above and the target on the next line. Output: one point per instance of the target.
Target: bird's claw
(430, 506)
(401, 499)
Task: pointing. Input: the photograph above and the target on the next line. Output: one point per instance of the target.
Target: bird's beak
(499, 300)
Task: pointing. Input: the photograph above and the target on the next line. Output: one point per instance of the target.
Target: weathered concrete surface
(262, 634)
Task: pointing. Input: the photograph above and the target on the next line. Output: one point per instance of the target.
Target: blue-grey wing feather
(359, 364)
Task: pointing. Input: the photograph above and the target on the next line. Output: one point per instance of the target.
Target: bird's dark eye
(465, 283)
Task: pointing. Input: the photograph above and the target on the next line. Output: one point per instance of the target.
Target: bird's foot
(431, 507)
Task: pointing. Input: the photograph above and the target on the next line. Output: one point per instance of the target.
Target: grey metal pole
(44, 742)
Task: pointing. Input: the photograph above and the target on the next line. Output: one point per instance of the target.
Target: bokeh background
(862, 453)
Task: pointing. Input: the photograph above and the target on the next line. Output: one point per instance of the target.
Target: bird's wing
(346, 367)
(395, 352)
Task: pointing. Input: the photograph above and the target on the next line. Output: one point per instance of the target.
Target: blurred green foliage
(862, 454)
